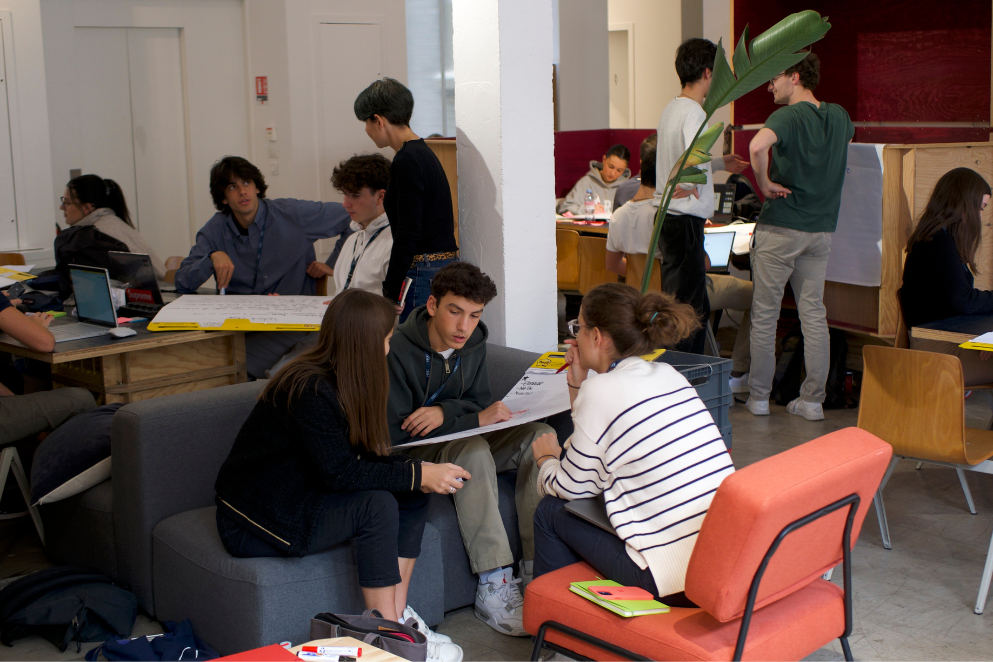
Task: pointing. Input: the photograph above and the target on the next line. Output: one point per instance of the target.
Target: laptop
(593, 510)
(718, 246)
(723, 202)
(94, 305)
(141, 288)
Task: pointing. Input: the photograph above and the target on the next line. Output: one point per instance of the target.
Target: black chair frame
(852, 501)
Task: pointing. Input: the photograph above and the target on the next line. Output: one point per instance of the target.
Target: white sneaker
(500, 605)
(757, 407)
(409, 613)
(812, 411)
(739, 384)
(527, 572)
(440, 651)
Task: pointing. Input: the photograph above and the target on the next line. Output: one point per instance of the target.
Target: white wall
(657, 35)
(37, 207)
(717, 25)
(583, 71)
(214, 72)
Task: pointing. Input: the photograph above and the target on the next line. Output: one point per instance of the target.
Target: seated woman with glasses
(90, 200)
(643, 439)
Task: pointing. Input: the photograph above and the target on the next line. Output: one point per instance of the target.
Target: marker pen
(350, 651)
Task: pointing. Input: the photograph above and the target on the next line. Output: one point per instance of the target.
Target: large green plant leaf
(768, 54)
(699, 152)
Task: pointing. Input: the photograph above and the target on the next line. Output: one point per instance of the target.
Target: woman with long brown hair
(311, 466)
(642, 438)
(938, 275)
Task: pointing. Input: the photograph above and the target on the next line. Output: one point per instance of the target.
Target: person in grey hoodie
(439, 384)
(603, 179)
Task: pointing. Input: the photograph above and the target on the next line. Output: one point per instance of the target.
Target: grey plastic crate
(709, 375)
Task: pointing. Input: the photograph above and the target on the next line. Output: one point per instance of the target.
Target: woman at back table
(642, 438)
(90, 200)
(938, 275)
(418, 199)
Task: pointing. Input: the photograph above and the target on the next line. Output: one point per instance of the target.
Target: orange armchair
(773, 529)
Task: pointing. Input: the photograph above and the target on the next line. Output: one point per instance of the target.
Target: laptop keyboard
(79, 331)
(151, 308)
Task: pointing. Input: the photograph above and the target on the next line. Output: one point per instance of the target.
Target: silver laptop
(593, 510)
(718, 246)
(94, 305)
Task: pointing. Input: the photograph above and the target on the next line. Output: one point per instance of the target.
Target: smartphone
(622, 592)
(15, 291)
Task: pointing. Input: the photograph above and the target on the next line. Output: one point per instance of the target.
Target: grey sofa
(152, 528)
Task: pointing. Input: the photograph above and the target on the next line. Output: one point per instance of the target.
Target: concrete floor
(911, 603)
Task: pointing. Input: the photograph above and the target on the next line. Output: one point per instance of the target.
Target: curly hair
(463, 280)
(229, 169)
(370, 171)
(809, 69)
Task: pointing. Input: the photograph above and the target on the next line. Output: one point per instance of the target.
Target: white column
(503, 121)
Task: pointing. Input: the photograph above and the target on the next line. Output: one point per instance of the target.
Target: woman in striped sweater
(643, 439)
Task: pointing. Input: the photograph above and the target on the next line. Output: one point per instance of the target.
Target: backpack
(178, 642)
(85, 246)
(790, 372)
(65, 604)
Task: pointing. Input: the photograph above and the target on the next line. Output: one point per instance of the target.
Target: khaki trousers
(477, 504)
(779, 255)
(730, 293)
(23, 416)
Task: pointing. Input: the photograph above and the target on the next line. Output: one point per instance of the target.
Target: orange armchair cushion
(790, 629)
(754, 504)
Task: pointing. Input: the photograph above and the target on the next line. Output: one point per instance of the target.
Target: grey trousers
(477, 504)
(728, 292)
(264, 349)
(23, 416)
(779, 255)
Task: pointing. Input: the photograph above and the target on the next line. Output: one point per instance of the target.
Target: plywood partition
(909, 175)
(444, 149)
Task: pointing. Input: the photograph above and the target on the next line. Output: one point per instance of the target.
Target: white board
(857, 244)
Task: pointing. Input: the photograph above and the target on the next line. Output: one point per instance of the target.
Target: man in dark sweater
(439, 385)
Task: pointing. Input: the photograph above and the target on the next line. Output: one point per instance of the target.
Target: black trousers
(561, 539)
(684, 271)
(385, 526)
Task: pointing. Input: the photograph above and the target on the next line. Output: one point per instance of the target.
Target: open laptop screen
(136, 272)
(94, 304)
(718, 246)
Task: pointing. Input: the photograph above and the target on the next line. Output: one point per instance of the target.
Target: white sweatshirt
(646, 441)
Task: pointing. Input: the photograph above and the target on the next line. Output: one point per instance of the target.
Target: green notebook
(625, 608)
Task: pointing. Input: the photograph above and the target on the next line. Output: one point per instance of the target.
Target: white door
(621, 92)
(129, 85)
(343, 76)
(8, 212)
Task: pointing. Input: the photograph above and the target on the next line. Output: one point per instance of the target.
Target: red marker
(562, 368)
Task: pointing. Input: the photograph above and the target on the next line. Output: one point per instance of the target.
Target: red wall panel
(575, 149)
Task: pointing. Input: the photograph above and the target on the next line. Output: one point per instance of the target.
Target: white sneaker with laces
(500, 605)
(812, 411)
(739, 384)
(409, 613)
(757, 407)
(441, 651)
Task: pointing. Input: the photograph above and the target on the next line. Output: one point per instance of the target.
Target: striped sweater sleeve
(581, 471)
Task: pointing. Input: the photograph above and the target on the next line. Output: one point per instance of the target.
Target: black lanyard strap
(355, 260)
(427, 375)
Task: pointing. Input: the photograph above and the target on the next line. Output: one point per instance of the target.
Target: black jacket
(464, 392)
(285, 464)
(937, 285)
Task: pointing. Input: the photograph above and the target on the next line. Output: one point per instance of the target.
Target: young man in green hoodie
(439, 384)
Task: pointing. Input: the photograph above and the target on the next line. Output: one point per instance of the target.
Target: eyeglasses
(574, 326)
(65, 202)
(773, 79)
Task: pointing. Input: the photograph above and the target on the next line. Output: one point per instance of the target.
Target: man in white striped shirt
(643, 439)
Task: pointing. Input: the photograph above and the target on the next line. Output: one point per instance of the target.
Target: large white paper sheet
(857, 244)
(254, 312)
(538, 394)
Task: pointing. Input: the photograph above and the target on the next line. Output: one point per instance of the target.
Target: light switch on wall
(273, 151)
(273, 168)
(271, 132)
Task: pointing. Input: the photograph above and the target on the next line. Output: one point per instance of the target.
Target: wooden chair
(593, 264)
(567, 259)
(322, 286)
(636, 271)
(172, 264)
(11, 259)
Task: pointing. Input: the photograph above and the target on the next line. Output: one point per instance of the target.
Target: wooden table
(148, 365)
(954, 329)
(583, 228)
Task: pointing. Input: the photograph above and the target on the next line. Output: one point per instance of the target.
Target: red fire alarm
(261, 89)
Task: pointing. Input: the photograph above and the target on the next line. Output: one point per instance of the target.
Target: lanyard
(613, 365)
(258, 256)
(355, 260)
(427, 375)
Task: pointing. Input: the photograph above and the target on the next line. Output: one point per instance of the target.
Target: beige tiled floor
(911, 603)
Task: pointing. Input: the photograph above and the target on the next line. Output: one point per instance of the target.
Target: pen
(562, 368)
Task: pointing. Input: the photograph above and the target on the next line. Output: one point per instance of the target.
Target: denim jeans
(385, 525)
(422, 273)
(561, 539)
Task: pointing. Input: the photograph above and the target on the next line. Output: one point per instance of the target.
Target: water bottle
(589, 206)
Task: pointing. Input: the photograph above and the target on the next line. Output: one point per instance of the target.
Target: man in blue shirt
(259, 246)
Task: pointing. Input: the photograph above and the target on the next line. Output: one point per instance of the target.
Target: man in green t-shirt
(809, 141)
